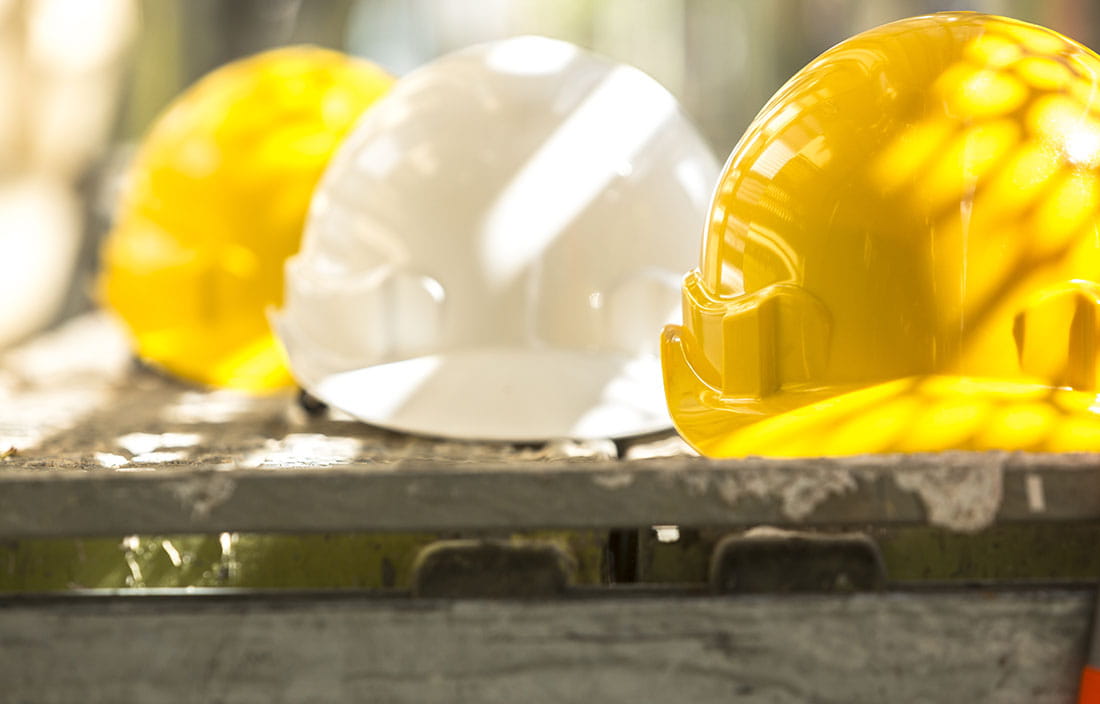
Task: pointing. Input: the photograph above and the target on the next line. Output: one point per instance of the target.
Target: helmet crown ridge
(919, 203)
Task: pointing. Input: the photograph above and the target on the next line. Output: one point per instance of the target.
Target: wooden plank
(997, 647)
(439, 496)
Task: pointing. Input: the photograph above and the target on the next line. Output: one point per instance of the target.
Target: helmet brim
(497, 393)
(929, 413)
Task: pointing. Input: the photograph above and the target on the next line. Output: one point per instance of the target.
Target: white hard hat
(493, 251)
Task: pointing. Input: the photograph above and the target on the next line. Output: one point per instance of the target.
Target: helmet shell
(216, 201)
(918, 202)
(490, 252)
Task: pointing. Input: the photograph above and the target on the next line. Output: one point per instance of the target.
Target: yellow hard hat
(903, 254)
(216, 202)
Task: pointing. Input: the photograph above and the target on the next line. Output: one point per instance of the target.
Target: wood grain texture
(1002, 648)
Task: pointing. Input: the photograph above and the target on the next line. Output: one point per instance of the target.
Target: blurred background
(81, 80)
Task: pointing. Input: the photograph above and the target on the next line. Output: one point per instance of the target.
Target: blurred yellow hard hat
(216, 202)
(903, 253)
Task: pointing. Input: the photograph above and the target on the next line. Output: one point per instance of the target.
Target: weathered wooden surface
(104, 448)
(93, 445)
(425, 495)
(1021, 647)
(75, 400)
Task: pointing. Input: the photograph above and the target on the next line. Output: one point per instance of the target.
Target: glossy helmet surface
(903, 253)
(216, 201)
(490, 251)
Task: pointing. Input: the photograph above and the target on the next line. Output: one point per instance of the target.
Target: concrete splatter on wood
(961, 491)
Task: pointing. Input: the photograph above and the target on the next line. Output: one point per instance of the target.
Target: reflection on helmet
(217, 201)
(903, 253)
(490, 251)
